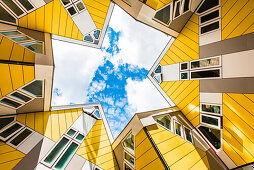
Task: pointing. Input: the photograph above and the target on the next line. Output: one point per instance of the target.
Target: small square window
(184, 76)
(80, 6)
(72, 10)
(184, 66)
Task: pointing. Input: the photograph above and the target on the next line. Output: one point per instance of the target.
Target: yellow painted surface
(97, 148)
(50, 124)
(238, 132)
(157, 4)
(178, 153)
(5, 80)
(16, 75)
(98, 11)
(185, 47)
(6, 48)
(28, 73)
(146, 156)
(237, 18)
(9, 157)
(185, 94)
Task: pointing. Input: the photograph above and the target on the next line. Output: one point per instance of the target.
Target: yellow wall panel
(203, 164)
(69, 26)
(23, 21)
(30, 120)
(47, 125)
(16, 75)
(62, 25)
(5, 80)
(29, 56)
(28, 73)
(40, 19)
(31, 20)
(38, 124)
(6, 48)
(21, 118)
(48, 17)
(56, 17)
(62, 122)
(75, 31)
(55, 126)
(17, 53)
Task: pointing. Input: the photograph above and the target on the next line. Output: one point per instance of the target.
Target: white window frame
(188, 66)
(16, 91)
(34, 8)
(128, 164)
(183, 3)
(95, 115)
(180, 11)
(11, 36)
(210, 113)
(221, 138)
(125, 149)
(219, 68)
(75, 134)
(206, 13)
(15, 118)
(132, 166)
(210, 125)
(204, 68)
(13, 99)
(188, 75)
(28, 94)
(171, 122)
(75, 10)
(184, 127)
(21, 35)
(208, 23)
(171, 15)
(208, 9)
(176, 121)
(43, 46)
(9, 141)
(77, 6)
(8, 126)
(14, 16)
(9, 10)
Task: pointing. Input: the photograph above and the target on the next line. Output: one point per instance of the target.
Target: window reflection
(128, 143)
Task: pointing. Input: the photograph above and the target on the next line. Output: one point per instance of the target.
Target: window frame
(196, 12)
(95, 115)
(188, 75)
(28, 94)
(132, 166)
(19, 36)
(12, 99)
(27, 11)
(219, 68)
(208, 23)
(124, 148)
(207, 13)
(204, 68)
(15, 118)
(210, 113)
(16, 91)
(11, 11)
(171, 122)
(183, 3)
(180, 11)
(184, 127)
(11, 30)
(126, 162)
(171, 15)
(75, 134)
(188, 66)
(77, 6)
(9, 141)
(176, 121)
(7, 10)
(210, 125)
(43, 46)
(8, 126)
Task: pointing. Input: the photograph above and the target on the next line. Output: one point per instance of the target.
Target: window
(25, 3)
(97, 114)
(4, 121)
(186, 6)
(14, 7)
(129, 158)
(177, 10)
(59, 156)
(35, 46)
(211, 108)
(126, 167)
(34, 88)
(158, 69)
(184, 76)
(20, 97)
(212, 121)
(210, 16)
(10, 131)
(210, 62)
(188, 135)
(10, 103)
(19, 39)
(184, 66)
(96, 34)
(178, 128)
(157, 74)
(205, 74)
(164, 15)
(88, 38)
(128, 143)
(72, 10)
(207, 5)
(210, 27)
(212, 135)
(164, 121)
(6, 16)
(66, 2)
(80, 6)
(20, 137)
(10, 33)
(73, 7)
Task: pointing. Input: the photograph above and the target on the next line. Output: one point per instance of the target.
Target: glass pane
(184, 66)
(80, 6)
(35, 46)
(88, 38)
(210, 27)
(158, 69)
(10, 33)
(211, 108)
(126, 167)
(164, 15)
(10, 103)
(186, 5)
(178, 129)
(178, 9)
(129, 158)
(9, 131)
(128, 143)
(206, 63)
(188, 135)
(5, 121)
(65, 2)
(35, 88)
(53, 155)
(5, 16)
(71, 10)
(26, 4)
(80, 137)
(205, 74)
(66, 156)
(210, 120)
(18, 139)
(184, 76)
(20, 96)
(158, 77)
(208, 4)
(212, 135)
(210, 16)
(13, 7)
(96, 34)
(164, 121)
(71, 132)
(97, 114)
(19, 39)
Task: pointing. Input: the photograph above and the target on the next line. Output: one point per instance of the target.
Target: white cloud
(75, 66)
(143, 96)
(140, 44)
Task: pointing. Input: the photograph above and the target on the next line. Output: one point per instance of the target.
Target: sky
(115, 75)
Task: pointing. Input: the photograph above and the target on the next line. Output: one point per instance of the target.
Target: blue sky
(114, 75)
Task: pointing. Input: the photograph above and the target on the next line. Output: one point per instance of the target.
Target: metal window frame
(15, 118)
(128, 164)
(9, 141)
(77, 6)
(11, 30)
(171, 15)
(95, 115)
(210, 125)
(20, 92)
(75, 134)
(43, 46)
(34, 7)
(12, 99)
(188, 66)
(183, 3)
(8, 126)
(19, 36)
